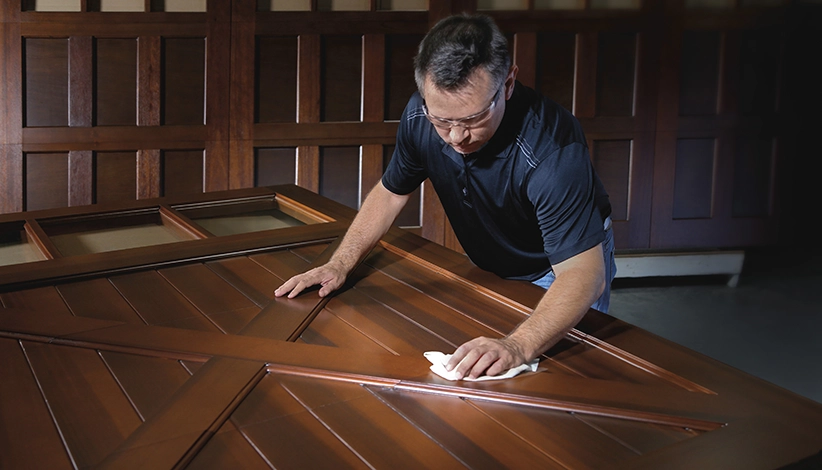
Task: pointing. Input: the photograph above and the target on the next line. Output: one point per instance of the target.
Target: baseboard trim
(630, 265)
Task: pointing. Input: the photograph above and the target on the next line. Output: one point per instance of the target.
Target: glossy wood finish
(187, 360)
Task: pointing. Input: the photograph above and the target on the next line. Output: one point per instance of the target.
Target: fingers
(480, 356)
(329, 280)
(481, 366)
(458, 356)
(287, 287)
(292, 287)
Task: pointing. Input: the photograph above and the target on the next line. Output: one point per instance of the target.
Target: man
(512, 171)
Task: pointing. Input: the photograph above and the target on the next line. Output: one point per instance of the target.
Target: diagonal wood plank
(147, 381)
(444, 289)
(378, 426)
(205, 289)
(227, 307)
(165, 305)
(438, 259)
(473, 438)
(560, 434)
(97, 298)
(27, 427)
(44, 299)
(328, 330)
(393, 313)
(283, 318)
(88, 406)
(191, 416)
(300, 441)
(230, 449)
(248, 277)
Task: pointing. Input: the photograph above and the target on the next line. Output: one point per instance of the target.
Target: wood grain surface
(130, 361)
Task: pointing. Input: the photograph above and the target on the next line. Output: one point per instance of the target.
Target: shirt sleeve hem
(577, 248)
(394, 189)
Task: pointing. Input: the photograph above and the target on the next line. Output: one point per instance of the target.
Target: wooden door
(718, 143)
(109, 106)
(682, 102)
(175, 354)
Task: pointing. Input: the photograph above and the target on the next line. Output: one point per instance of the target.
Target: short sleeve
(405, 171)
(562, 190)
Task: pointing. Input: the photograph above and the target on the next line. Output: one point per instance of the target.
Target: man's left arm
(580, 280)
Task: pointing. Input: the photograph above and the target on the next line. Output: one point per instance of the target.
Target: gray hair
(456, 46)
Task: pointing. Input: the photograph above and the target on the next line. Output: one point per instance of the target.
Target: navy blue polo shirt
(528, 198)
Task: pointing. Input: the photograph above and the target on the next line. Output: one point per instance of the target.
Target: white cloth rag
(438, 361)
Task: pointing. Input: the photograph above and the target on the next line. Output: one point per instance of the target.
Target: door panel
(177, 354)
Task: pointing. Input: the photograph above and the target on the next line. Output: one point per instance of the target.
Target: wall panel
(46, 82)
(555, 67)
(183, 81)
(115, 176)
(275, 166)
(47, 176)
(694, 182)
(753, 170)
(115, 82)
(699, 70)
(759, 71)
(276, 84)
(616, 63)
(341, 78)
(340, 174)
(182, 172)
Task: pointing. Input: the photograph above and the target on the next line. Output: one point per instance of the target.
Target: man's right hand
(330, 276)
(372, 222)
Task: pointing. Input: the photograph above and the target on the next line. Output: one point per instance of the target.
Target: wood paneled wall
(680, 105)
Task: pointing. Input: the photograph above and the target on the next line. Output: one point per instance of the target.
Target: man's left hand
(485, 356)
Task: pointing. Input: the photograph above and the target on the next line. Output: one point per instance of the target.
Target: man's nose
(457, 134)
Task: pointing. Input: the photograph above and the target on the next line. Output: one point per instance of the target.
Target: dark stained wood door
(178, 355)
(687, 109)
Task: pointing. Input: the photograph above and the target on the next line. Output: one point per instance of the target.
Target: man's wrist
(519, 347)
(341, 264)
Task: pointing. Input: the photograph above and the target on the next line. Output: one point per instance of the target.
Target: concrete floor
(768, 326)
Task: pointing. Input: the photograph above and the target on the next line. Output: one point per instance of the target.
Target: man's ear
(510, 80)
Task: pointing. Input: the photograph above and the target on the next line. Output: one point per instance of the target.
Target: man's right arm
(376, 215)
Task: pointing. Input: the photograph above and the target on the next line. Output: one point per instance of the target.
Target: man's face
(480, 101)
